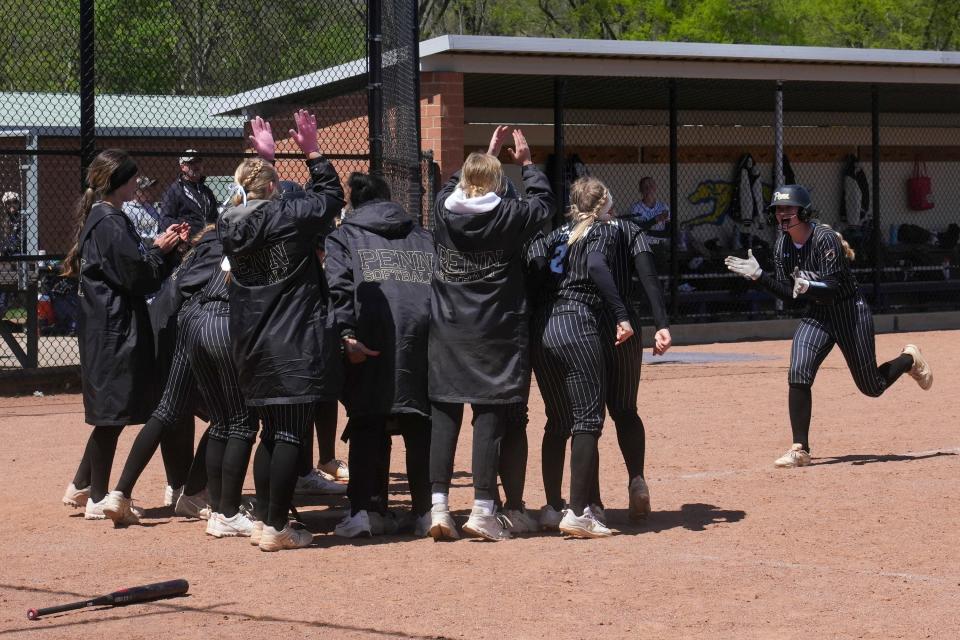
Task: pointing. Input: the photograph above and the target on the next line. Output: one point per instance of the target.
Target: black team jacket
(479, 329)
(285, 350)
(117, 365)
(379, 264)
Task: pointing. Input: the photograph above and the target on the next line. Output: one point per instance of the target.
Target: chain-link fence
(174, 79)
(705, 196)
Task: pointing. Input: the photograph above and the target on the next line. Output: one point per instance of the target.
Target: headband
(122, 174)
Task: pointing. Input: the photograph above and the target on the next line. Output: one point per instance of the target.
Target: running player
(811, 266)
(479, 331)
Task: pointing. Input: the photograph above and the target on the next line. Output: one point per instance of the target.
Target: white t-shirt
(642, 215)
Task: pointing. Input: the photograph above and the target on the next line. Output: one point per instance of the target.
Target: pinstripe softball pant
(178, 391)
(849, 325)
(210, 354)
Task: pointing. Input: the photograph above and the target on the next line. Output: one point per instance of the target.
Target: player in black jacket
(379, 264)
(568, 361)
(479, 330)
(287, 353)
(116, 274)
(810, 265)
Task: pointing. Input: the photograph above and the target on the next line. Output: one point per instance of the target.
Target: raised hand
(521, 151)
(749, 268)
(305, 135)
(497, 139)
(262, 139)
(624, 332)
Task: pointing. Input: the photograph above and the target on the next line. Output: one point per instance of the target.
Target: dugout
(686, 115)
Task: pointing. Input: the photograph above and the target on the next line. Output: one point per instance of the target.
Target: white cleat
(335, 470)
(76, 498)
(354, 526)
(314, 484)
(795, 457)
(290, 537)
(421, 527)
(237, 526)
(120, 509)
(921, 368)
(487, 526)
(171, 495)
(584, 526)
(442, 526)
(94, 510)
(256, 533)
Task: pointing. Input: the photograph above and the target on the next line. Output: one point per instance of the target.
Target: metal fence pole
(415, 51)
(778, 138)
(559, 149)
(87, 89)
(375, 85)
(877, 238)
(674, 218)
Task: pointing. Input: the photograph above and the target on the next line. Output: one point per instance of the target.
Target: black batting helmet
(791, 195)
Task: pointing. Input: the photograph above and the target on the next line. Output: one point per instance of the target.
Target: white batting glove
(800, 285)
(748, 268)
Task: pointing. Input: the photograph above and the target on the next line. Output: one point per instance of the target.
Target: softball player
(811, 265)
(632, 265)
(116, 274)
(479, 331)
(285, 349)
(569, 362)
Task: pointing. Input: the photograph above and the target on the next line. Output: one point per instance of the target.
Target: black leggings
(370, 448)
(97, 460)
(325, 422)
(513, 455)
(489, 424)
(277, 460)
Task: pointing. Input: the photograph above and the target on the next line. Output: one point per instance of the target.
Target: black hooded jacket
(116, 342)
(186, 201)
(379, 264)
(479, 329)
(285, 350)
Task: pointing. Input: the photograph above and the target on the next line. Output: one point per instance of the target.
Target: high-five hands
(262, 139)
(800, 284)
(497, 139)
(521, 151)
(174, 235)
(748, 268)
(305, 135)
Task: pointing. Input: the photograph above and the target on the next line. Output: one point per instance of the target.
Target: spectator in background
(10, 225)
(188, 199)
(650, 214)
(142, 210)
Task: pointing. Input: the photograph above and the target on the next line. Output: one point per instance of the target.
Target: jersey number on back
(556, 265)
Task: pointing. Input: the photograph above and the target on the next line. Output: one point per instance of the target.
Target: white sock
(440, 498)
(483, 507)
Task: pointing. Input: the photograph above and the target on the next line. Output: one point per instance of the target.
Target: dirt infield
(864, 544)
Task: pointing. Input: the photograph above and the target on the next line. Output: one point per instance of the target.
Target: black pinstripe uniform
(209, 348)
(837, 313)
(633, 268)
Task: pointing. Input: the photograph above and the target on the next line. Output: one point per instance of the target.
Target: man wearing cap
(142, 212)
(188, 199)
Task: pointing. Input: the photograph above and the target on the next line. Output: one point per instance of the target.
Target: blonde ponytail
(588, 199)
